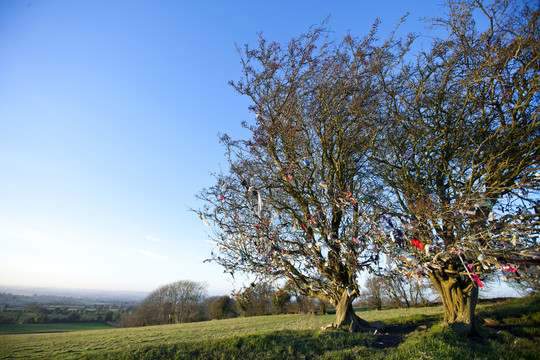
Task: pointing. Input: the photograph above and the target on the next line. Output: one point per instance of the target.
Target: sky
(109, 119)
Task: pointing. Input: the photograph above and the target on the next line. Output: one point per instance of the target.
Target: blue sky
(109, 116)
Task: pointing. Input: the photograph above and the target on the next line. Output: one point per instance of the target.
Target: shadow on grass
(519, 318)
(284, 344)
(517, 308)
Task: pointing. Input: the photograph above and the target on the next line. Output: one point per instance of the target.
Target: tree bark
(345, 315)
(459, 295)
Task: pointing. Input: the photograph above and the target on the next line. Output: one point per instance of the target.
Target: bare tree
(402, 292)
(185, 297)
(290, 202)
(178, 302)
(374, 294)
(459, 153)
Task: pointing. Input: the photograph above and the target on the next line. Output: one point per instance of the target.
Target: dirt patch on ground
(393, 335)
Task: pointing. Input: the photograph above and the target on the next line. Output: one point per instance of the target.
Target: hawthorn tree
(458, 152)
(292, 202)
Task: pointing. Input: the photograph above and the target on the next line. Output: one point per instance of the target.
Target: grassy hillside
(409, 334)
(50, 328)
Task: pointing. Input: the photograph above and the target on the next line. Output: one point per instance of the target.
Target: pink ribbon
(476, 277)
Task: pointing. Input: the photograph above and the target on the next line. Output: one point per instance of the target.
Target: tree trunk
(459, 296)
(345, 315)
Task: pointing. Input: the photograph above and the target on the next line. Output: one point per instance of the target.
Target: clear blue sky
(109, 115)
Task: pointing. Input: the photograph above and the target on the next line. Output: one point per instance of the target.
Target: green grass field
(296, 337)
(50, 328)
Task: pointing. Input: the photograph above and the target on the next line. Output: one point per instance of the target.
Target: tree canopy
(291, 202)
(460, 156)
(177, 302)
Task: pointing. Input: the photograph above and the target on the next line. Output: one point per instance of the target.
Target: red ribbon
(476, 277)
(349, 195)
(417, 243)
(509, 268)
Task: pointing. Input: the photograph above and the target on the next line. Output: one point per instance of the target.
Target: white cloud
(153, 238)
(152, 255)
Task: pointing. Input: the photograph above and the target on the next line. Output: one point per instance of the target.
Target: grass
(50, 328)
(293, 337)
(280, 344)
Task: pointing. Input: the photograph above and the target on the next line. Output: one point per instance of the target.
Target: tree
(291, 202)
(174, 303)
(374, 294)
(281, 299)
(403, 292)
(305, 305)
(186, 296)
(256, 299)
(222, 308)
(458, 153)
(33, 307)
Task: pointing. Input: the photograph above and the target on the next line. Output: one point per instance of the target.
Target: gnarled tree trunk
(459, 295)
(345, 315)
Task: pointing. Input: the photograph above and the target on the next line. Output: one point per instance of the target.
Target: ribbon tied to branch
(417, 243)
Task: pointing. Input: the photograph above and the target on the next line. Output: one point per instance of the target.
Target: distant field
(48, 328)
(292, 337)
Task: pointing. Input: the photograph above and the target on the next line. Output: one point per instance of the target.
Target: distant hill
(48, 295)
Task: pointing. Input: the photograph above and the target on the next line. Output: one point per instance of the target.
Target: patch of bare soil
(394, 335)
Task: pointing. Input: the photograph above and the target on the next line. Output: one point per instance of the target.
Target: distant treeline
(34, 313)
(186, 301)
